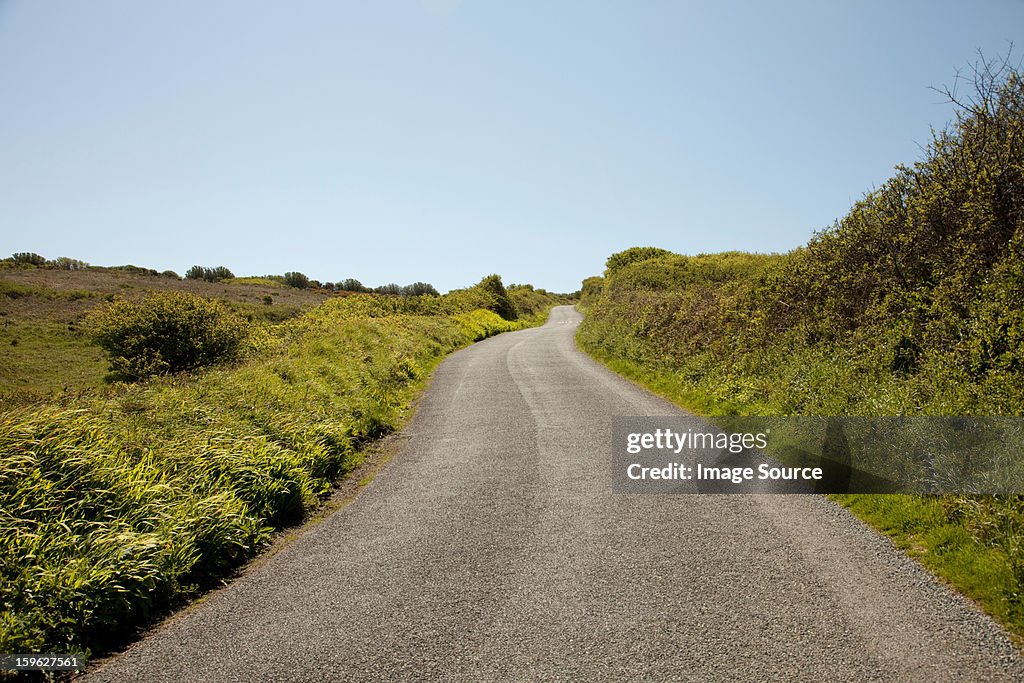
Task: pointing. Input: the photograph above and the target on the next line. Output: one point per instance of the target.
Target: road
(491, 548)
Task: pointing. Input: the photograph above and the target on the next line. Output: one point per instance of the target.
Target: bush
(419, 289)
(168, 332)
(209, 274)
(528, 301)
(65, 263)
(29, 258)
(297, 280)
(591, 290)
(350, 285)
(500, 303)
(633, 255)
(134, 270)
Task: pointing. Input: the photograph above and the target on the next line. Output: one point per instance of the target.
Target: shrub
(296, 279)
(65, 263)
(134, 270)
(350, 285)
(501, 304)
(12, 290)
(591, 290)
(527, 300)
(209, 274)
(419, 289)
(633, 255)
(29, 258)
(222, 273)
(168, 332)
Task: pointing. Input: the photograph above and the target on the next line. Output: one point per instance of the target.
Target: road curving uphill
(492, 548)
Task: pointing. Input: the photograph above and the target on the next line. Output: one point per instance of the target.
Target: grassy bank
(121, 502)
(909, 305)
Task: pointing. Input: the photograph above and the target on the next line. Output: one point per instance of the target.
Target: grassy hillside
(43, 347)
(909, 305)
(120, 501)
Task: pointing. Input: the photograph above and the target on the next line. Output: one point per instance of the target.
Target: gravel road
(491, 548)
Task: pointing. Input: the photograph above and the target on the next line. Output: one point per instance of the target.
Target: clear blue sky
(442, 140)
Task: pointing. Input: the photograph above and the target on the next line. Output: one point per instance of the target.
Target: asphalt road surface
(492, 548)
